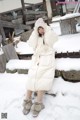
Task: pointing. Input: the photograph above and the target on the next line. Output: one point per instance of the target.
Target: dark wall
(7, 31)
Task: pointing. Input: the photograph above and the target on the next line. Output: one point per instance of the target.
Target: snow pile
(56, 28)
(70, 43)
(61, 64)
(24, 48)
(67, 16)
(18, 64)
(68, 64)
(65, 88)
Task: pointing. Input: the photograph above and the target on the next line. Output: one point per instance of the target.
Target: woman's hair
(40, 35)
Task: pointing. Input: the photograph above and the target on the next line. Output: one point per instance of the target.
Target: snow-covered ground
(64, 106)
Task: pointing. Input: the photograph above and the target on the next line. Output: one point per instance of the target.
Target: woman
(41, 74)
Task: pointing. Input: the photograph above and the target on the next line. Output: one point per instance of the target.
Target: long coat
(41, 74)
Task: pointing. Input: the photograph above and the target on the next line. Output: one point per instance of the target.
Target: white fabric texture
(41, 73)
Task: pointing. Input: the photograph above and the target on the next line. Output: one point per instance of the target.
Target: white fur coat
(41, 74)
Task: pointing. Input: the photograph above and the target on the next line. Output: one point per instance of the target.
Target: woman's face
(41, 31)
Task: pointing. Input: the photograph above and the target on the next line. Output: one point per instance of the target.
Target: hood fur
(40, 22)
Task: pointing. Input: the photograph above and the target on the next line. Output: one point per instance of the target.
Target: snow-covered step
(20, 66)
(23, 48)
(70, 43)
(67, 16)
(68, 64)
(64, 106)
(68, 69)
(65, 64)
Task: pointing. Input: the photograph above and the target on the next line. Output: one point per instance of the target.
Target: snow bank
(18, 64)
(68, 64)
(67, 16)
(61, 64)
(70, 43)
(65, 88)
(56, 28)
(24, 48)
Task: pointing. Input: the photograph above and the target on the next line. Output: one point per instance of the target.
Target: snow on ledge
(70, 43)
(18, 64)
(67, 16)
(24, 48)
(68, 64)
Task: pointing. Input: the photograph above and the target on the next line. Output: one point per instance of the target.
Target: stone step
(20, 66)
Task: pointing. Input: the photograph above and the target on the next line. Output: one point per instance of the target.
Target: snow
(61, 64)
(68, 64)
(56, 28)
(64, 106)
(67, 88)
(24, 48)
(68, 43)
(18, 64)
(67, 16)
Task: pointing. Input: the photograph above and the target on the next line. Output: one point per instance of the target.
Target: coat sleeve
(51, 38)
(33, 40)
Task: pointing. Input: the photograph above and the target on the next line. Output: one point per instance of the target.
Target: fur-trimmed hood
(49, 37)
(40, 22)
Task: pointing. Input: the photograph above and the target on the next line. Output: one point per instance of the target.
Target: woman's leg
(27, 102)
(40, 95)
(38, 105)
(28, 95)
